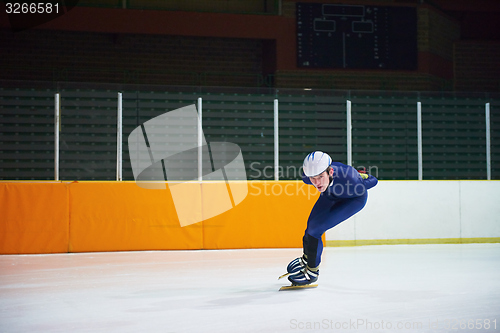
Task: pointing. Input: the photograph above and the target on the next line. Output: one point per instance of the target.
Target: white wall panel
(425, 210)
(480, 208)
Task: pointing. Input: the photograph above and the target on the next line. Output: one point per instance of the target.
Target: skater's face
(322, 180)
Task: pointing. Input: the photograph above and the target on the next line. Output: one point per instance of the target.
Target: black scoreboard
(356, 36)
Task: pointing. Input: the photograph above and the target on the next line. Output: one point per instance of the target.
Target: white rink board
(425, 210)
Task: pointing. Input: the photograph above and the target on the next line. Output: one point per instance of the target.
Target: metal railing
(396, 135)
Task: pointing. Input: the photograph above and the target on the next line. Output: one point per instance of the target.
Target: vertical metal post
(488, 142)
(119, 142)
(349, 133)
(276, 142)
(57, 125)
(200, 140)
(419, 141)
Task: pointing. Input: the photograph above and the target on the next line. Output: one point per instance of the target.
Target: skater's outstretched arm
(370, 181)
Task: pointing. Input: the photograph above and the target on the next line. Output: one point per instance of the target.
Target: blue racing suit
(345, 196)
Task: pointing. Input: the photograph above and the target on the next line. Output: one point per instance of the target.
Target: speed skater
(343, 194)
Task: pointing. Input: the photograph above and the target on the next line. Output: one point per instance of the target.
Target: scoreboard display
(356, 36)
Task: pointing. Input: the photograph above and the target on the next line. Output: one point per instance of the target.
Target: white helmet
(315, 163)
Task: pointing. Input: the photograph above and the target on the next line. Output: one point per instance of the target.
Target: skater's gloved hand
(364, 175)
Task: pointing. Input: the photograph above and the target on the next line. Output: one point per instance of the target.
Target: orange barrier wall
(34, 217)
(121, 216)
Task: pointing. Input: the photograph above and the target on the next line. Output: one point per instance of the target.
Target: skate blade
(282, 276)
(298, 287)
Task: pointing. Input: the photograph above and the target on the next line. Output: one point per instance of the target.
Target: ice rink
(396, 288)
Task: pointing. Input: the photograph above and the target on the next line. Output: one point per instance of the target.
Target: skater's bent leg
(337, 213)
(323, 218)
(313, 248)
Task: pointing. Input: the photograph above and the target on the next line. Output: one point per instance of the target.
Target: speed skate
(296, 286)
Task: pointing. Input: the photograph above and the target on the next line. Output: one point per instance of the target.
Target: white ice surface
(398, 288)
